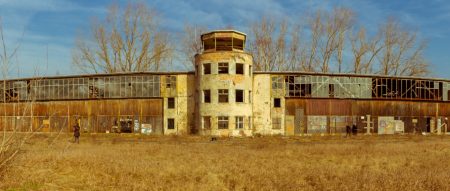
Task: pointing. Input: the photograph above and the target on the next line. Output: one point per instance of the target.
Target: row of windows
(223, 122)
(223, 96)
(224, 68)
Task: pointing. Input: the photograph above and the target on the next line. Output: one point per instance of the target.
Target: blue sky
(54, 24)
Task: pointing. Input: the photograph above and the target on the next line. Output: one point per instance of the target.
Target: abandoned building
(224, 97)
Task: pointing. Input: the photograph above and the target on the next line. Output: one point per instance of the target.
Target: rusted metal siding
(93, 113)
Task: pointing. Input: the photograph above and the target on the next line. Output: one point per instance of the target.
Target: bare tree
(130, 39)
(268, 44)
(402, 53)
(191, 44)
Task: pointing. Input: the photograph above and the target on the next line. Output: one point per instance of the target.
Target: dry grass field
(131, 162)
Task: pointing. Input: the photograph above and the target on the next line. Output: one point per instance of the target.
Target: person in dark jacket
(76, 133)
(348, 130)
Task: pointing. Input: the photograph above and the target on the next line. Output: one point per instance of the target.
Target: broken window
(170, 123)
(276, 102)
(331, 90)
(239, 122)
(206, 96)
(207, 68)
(206, 122)
(392, 88)
(239, 68)
(223, 96)
(276, 122)
(222, 122)
(171, 81)
(298, 86)
(239, 96)
(170, 102)
(223, 68)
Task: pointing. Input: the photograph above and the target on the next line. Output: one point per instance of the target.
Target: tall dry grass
(127, 162)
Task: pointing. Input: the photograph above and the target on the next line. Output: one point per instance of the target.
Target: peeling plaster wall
(231, 82)
(262, 122)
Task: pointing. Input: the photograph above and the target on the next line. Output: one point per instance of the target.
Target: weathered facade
(224, 97)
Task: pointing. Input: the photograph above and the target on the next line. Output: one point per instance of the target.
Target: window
(223, 96)
(171, 81)
(239, 122)
(206, 96)
(170, 123)
(331, 90)
(170, 102)
(277, 82)
(239, 68)
(239, 96)
(206, 122)
(276, 102)
(250, 70)
(276, 123)
(207, 68)
(223, 68)
(223, 122)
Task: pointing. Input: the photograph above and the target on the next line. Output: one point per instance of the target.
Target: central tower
(224, 85)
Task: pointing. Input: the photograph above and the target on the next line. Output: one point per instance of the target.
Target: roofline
(346, 74)
(255, 72)
(224, 30)
(103, 74)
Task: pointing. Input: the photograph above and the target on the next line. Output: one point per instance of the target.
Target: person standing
(76, 132)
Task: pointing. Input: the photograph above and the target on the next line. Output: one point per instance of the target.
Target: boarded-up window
(239, 96)
(223, 68)
(276, 123)
(206, 122)
(222, 122)
(239, 122)
(170, 123)
(239, 68)
(170, 102)
(223, 96)
(207, 68)
(206, 96)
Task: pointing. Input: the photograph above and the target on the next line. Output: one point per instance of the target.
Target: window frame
(204, 68)
(171, 103)
(226, 66)
(239, 120)
(223, 92)
(204, 96)
(277, 102)
(236, 96)
(242, 69)
(221, 120)
(171, 123)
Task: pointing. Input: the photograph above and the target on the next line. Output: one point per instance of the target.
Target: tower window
(170, 102)
(223, 68)
(239, 68)
(223, 96)
(207, 68)
(206, 96)
(276, 102)
(223, 122)
(206, 122)
(239, 96)
(239, 122)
